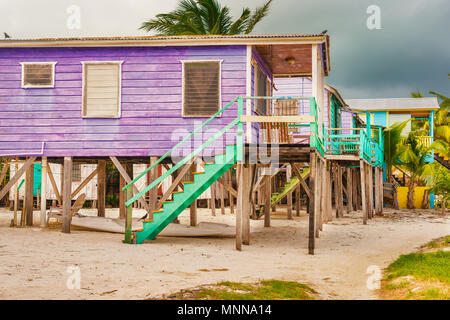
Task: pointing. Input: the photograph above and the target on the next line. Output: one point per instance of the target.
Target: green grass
(430, 265)
(428, 272)
(263, 290)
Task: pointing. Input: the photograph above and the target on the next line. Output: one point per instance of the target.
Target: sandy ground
(34, 262)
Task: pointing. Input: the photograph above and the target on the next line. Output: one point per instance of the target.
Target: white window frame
(31, 86)
(183, 87)
(83, 89)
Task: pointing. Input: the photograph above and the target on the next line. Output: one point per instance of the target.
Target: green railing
(359, 144)
(315, 141)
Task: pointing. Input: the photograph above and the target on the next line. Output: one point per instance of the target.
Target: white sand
(33, 262)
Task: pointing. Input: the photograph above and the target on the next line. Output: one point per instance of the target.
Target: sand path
(34, 262)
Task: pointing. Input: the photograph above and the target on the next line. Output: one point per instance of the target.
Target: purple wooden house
(131, 99)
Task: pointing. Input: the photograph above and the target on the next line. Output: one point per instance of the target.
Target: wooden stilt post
(317, 198)
(381, 195)
(323, 194)
(123, 194)
(298, 193)
(245, 215)
(240, 206)
(29, 177)
(370, 185)
(222, 199)
(129, 218)
(364, 196)
(193, 213)
(153, 193)
(349, 190)
(329, 204)
(230, 176)
(67, 196)
(101, 188)
(43, 192)
(267, 197)
(213, 199)
(312, 222)
(16, 193)
(354, 188)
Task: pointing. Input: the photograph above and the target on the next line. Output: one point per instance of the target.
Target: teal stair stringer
(183, 199)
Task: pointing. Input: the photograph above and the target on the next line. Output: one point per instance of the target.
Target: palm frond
(257, 16)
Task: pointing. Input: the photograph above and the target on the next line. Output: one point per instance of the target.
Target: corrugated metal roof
(393, 104)
(193, 37)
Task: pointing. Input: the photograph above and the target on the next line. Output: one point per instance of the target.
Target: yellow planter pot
(402, 193)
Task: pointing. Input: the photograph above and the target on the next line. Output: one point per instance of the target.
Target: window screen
(76, 172)
(260, 91)
(37, 75)
(201, 88)
(101, 92)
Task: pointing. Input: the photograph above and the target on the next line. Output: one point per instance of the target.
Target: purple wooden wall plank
(151, 100)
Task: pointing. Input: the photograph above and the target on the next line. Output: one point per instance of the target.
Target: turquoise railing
(356, 143)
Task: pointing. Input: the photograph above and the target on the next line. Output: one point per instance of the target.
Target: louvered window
(38, 74)
(201, 88)
(102, 89)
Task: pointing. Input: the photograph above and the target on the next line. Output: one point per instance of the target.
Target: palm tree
(414, 157)
(197, 17)
(441, 120)
(416, 94)
(392, 137)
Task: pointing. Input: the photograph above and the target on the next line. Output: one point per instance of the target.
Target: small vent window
(201, 88)
(38, 74)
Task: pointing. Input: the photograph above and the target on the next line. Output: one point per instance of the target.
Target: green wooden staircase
(192, 190)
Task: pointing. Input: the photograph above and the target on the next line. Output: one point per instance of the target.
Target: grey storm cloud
(411, 50)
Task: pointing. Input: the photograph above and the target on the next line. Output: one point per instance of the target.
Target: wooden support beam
(370, 185)
(127, 173)
(54, 185)
(129, 218)
(213, 199)
(362, 166)
(222, 199)
(230, 193)
(296, 170)
(312, 222)
(28, 203)
(317, 198)
(298, 193)
(18, 174)
(228, 187)
(4, 171)
(153, 193)
(176, 182)
(381, 190)
(16, 193)
(180, 184)
(240, 206)
(84, 183)
(193, 213)
(328, 195)
(43, 217)
(354, 189)
(247, 174)
(349, 190)
(101, 188)
(267, 198)
(67, 199)
(323, 194)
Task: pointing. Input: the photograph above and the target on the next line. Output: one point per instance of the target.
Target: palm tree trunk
(443, 205)
(410, 202)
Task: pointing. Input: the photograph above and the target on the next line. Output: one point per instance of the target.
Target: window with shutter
(260, 91)
(102, 89)
(76, 172)
(38, 74)
(201, 88)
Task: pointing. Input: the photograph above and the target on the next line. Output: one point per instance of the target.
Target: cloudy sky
(411, 50)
